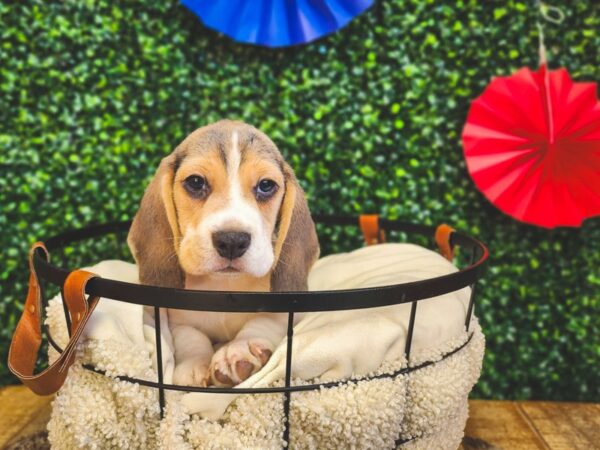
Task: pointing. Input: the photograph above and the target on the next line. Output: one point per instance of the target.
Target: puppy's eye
(265, 189)
(196, 185)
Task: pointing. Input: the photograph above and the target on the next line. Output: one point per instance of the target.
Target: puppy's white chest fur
(218, 326)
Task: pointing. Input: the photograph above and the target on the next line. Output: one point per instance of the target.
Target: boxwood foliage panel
(96, 92)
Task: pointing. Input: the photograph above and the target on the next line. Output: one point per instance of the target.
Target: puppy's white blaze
(234, 157)
(239, 215)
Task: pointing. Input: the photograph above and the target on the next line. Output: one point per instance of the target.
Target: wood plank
(37, 424)
(499, 424)
(565, 426)
(21, 413)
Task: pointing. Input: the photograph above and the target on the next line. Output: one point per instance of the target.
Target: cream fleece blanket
(428, 406)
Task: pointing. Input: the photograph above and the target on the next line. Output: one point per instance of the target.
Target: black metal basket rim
(282, 302)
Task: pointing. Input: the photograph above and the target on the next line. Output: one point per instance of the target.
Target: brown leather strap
(27, 338)
(442, 238)
(369, 225)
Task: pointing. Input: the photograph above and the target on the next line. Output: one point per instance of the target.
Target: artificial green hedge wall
(95, 93)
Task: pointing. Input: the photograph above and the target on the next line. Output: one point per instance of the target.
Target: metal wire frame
(272, 302)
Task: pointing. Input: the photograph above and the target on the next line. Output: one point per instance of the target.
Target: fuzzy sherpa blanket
(426, 408)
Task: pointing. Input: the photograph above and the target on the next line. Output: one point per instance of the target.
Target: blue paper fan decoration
(276, 23)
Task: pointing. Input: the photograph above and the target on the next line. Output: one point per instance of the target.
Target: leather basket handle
(369, 225)
(27, 337)
(443, 233)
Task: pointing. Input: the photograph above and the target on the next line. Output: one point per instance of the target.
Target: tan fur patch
(191, 210)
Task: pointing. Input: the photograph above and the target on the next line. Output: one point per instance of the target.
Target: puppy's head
(224, 203)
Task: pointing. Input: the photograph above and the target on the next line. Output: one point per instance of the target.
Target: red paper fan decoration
(532, 146)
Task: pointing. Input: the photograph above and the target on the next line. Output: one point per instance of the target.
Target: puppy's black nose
(231, 244)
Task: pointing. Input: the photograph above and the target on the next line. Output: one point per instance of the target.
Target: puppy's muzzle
(231, 244)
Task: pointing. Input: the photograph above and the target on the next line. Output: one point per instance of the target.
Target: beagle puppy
(224, 212)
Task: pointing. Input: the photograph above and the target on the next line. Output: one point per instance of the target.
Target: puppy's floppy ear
(154, 234)
(297, 246)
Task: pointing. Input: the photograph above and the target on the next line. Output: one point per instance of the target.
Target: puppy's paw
(191, 372)
(237, 360)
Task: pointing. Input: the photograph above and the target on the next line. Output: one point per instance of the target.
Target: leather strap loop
(442, 237)
(369, 225)
(27, 337)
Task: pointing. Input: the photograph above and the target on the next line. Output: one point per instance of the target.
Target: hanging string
(551, 14)
(556, 16)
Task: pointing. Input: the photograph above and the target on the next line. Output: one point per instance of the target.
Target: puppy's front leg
(249, 351)
(193, 353)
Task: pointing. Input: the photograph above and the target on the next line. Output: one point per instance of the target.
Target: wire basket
(274, 302)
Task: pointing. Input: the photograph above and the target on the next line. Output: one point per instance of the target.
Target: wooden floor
(22, 413)
(492, 424)
(533, 425)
